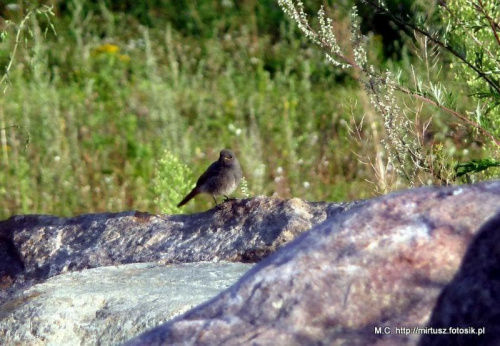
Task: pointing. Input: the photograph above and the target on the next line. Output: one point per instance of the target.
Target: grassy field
(96, 104)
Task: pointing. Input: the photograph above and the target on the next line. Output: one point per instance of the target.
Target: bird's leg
(228, 198)
(217, 205)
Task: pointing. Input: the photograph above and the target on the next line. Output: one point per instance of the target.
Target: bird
(221, 178)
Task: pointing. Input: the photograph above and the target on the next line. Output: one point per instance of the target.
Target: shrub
(406, 148)
(173, 180)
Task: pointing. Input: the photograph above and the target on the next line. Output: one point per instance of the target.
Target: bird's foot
(228, 198)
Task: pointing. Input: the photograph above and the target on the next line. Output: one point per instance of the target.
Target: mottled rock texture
(380, 264)
(109, 305)
(36, 247)
(471, 301)
(376, 265)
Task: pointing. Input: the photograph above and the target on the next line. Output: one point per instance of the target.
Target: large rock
(36, 247)
(109, 305)
(368, 276)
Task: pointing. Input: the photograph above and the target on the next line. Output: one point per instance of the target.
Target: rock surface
(471, 301)
(36, 247)
(109, 305)
(379, 265)
(367, 275)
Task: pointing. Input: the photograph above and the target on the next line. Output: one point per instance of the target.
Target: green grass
(104, 99)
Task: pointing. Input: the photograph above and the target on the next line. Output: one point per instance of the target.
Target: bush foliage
(94, 92)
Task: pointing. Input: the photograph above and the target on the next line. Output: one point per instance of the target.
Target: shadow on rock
(470, 303)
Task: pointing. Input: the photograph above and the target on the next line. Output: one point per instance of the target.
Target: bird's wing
(210, 172)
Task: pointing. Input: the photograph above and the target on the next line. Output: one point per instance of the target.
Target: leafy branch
(325, 38)
(434, 37)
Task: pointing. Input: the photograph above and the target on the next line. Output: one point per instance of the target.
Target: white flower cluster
(328, 39)
(398, 144)
(357, 39)
(296, 12)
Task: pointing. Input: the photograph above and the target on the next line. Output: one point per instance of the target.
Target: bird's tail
(190, 195)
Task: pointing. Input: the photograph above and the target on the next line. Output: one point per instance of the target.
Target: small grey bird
(221, 178)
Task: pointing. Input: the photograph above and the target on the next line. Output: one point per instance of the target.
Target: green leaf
(475, 166)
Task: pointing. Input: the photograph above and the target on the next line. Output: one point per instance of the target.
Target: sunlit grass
(102, 101)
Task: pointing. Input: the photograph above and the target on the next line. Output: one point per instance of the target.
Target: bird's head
(226, 156)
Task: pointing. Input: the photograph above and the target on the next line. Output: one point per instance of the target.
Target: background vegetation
(96, 92)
